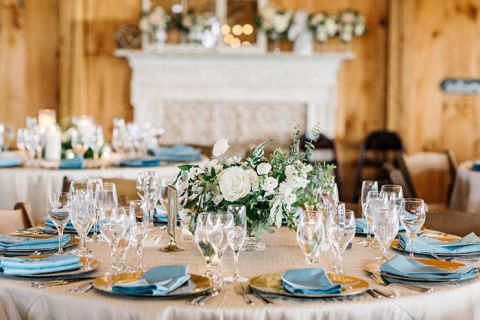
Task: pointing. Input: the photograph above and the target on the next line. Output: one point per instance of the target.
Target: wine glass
(95, 188)
(203, 244)
(373, 202)
(78, 185)
(236, 235)
(139, 184)
(139, 209)
(83, 217)
(412, 218)
(163, 194)
(80, 142)
(385, 227)
(151, 190)
(114, 224)
(59, 206)
(218, 224)
(97, 142)
(341, 232)
(309, 234)
(367, 186)
(396, 192)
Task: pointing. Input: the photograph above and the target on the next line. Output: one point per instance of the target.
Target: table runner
(19, 301)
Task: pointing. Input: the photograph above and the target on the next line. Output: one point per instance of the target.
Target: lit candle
(47, 117)
(53, 143)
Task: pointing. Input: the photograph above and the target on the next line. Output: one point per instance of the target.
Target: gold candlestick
(172, 211)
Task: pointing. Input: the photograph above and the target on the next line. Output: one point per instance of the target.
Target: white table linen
(32, 185)
(19, 301)
(466, 195)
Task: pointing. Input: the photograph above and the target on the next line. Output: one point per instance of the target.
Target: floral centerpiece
(350, 23)
(275, 22)
(154, 23)
(323, 26)
(200, 28)
(271, 189)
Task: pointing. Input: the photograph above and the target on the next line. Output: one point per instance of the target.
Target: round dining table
(18, 300)
(465, 195)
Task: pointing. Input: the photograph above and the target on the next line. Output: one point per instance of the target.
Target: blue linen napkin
(476, 166)
(309, 281)
(361, 226)
(156, 281)
(10, 161)
(176, 153)
(406, 267)
(74, 163)
(28, 266)
(12, 243)
(160, 215)
(68, 227)
(468, 244)
(140, 162)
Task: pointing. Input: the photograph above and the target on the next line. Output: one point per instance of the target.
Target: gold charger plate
(271, 283)
(88, 265)
(12, 253)
(200, 284)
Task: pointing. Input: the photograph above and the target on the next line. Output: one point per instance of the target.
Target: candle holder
(172, 221)
(47, 117)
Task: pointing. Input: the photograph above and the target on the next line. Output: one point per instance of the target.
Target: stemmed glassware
(95, 188)
(78, 185)
(412, 218)
(203, 244)
(236, 235)
(218, 225)
(341, 231)
(373, 202)
(83, 217)
(139, 210)
(109, 197)
(59, 206)
(367, 186)
(310, 231)
(385, 227)
(148, 185)
(394, 194)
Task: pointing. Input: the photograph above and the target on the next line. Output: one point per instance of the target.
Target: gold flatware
(239, 290)
(206, 298)
(248, 290)
(83, 288)
(383, 282)
(59, 282)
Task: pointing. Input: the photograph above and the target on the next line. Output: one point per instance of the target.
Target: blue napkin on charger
(160, 215)
(406, 267)
(68, 227)
(29, 266)
(74, 163)
(10, 161)
(140, 162)
(156, 281)
(309, 281)
(476, 166)
(12, 243)
(176, 153)
(361, 226)
(468, 244)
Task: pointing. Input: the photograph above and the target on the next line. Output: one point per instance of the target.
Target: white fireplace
(200, 96)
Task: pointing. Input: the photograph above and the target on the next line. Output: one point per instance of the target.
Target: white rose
(220, 147)
(347, 17)
(218, 199)
(290, 170)
(322, 35)
(234, 183)
(331, 26)
(280, 22)
(264, 168)
(359, 29)
(346, 36)
(296, 182)
(253, 179)
(317, 19)
(270, 184)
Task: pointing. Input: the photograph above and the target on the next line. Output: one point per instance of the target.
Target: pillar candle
(53, 143)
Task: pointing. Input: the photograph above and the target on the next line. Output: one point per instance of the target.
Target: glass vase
(253, 240)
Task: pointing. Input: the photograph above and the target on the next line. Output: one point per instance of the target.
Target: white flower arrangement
(350, 24)
(323, 25)
(275, 22)
(269, 188)
(154, 20)
(199, 27)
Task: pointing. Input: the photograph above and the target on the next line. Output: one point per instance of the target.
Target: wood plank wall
(60, 54)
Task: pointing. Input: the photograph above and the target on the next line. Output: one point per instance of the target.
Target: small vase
(253, 241)
(303, 45)
(160, 38)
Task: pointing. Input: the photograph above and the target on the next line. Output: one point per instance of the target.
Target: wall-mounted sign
(460, 86)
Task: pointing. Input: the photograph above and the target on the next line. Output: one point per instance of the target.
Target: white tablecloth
(19, 301)
(32, 185)
(466, 195)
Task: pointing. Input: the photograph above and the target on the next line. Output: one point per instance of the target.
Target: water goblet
(95, 188)
(78, 185)
(83, 217)
(218, 224)
(139, 209)
(151, 190)
(367, 186)
(374, 201)
(59, 207)
(309, 234)
(385, 227)
(412, 218)
(203, 244)
(341, 231)
(114, 225)
(236, 235)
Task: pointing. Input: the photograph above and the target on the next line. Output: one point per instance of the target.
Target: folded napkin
(74, 163)
(468, 244)
(176, 153)
(411, 268)
(28, 266)
(361, 226)
(140, 162)
(10, 161)
(160, 215)
(156, 281)
(309, 281)
(476, 166)
(12, 243)
(68, 227)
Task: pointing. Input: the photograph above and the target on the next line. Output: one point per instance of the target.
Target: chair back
(430, 174)
(396, 177)
(454, 222)
(17, 219)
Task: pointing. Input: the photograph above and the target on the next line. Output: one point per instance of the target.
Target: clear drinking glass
(83, 217)
(236, 235)
(139, 184)
(78, 185)
(385, 227)
(109, 195)
(203, 244)
(151, 190)
(341, 231)
(367, 186)
(373, 202)
(59, 206)
(127, 241)
(139, 209)
(218, 225)
(163, 195)
(97, 142)
(114, 224)
(396, 190)
(95, 187)
(310, 232)
(412, 218)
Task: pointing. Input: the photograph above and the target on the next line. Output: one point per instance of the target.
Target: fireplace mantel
(211, 76)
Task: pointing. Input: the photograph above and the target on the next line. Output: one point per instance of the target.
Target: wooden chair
(454, 222)
(430, 175)
(17, 219)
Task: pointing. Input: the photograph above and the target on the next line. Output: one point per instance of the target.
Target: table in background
(457, 301)
(466, 191)
(32, 185)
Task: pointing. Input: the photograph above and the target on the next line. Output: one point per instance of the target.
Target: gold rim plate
(201, 284)
(271, 283)
(395, 245)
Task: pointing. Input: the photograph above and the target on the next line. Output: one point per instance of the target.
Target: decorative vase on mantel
(303, 44)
